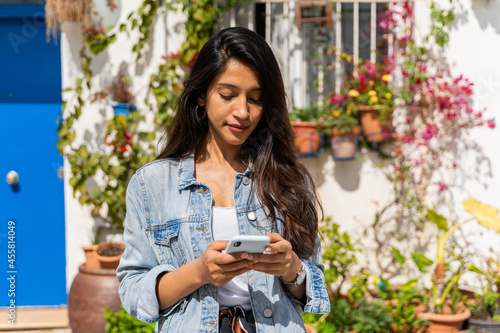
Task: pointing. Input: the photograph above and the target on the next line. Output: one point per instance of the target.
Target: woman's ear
(201, 100)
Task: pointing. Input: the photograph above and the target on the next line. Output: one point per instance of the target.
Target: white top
(235, 292)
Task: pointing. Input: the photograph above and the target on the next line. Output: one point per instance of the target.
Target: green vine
(125, 148)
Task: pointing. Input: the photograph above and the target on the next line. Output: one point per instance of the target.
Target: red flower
(491, 123)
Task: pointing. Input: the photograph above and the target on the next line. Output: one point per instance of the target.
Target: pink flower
(442, 186)
(336, 99)
(491, 123)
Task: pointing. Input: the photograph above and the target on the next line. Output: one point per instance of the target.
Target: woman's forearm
(174, 286)
(299, 291)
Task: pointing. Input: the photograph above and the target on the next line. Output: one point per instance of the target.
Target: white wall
(351, 191)
(167, 38)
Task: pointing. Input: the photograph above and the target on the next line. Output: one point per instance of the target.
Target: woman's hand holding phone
(279, 260)
(219, 268)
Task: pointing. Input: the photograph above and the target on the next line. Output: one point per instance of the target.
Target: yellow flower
(371, 83)
(353, 93)
(335, 113)
(485, 215)
(386, 77)
(388, 95)
(348, 111)
(372, 93)
(373, 99)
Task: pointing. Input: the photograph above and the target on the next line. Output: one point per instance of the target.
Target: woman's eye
(227, 98)
(256, 100)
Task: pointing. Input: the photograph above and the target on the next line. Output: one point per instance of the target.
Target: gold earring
(204, 113)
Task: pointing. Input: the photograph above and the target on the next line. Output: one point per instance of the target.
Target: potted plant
(367, 92)
(121, 97)
(341, 125)
(485, 307)
(402, 303)
(484, 310)
(444, 296)
(308, 140)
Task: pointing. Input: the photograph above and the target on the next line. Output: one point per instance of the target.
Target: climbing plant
(125, 146)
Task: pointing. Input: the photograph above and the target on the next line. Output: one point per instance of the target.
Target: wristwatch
(301, 276)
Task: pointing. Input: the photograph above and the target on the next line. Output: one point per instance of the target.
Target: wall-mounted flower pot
(109, 254)
(123, 108)
(445, 323)
(307, 139)
(345, 146)
(373, 129)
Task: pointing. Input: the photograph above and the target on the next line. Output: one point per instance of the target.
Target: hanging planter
(373, 128)
(345, 146)
(308, 141)
(123, 108)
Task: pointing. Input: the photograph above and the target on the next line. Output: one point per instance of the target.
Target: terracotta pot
(307, 138)
(110, 262)
(444, 323)
(372, 127)
(91, 260)
(91, 291)
(345, 145)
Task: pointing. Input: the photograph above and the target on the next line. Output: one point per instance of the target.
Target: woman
(228, 168)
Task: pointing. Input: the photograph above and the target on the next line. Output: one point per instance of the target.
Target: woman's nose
(241, 109)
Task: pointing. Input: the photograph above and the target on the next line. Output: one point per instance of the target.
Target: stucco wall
(351, 191)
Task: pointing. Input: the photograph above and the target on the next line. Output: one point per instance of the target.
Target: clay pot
(445, 323)
(90, 256)
(345, 145)
(307, 138)
(106, 261)
(372, 127)
(91, 291)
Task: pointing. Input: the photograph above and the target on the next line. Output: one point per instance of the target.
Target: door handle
(12, 178)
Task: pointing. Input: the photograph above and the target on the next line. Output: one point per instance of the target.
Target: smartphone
(248, 244)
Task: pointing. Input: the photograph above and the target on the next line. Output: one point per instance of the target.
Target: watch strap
(301, 275)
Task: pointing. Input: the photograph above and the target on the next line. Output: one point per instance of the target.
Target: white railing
(288, 42)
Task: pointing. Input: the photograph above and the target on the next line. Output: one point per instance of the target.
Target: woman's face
(233, 104)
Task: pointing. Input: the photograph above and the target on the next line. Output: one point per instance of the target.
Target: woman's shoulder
(159, 166)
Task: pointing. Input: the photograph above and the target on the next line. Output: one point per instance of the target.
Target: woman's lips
(237, 128)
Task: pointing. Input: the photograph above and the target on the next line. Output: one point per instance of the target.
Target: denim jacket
(168, 224)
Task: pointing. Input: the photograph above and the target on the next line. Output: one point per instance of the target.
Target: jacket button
(252, 216)
(268, 313)
(246, 180)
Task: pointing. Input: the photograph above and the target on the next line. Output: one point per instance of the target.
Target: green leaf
(123, 27)
(421, 261)
(439, 220)
(398, 256)
(475, 269)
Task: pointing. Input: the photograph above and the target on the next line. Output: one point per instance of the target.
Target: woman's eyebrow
(232, 86)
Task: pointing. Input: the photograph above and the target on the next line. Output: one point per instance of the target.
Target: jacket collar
(186, 172)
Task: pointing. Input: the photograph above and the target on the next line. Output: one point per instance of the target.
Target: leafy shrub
(121, 321)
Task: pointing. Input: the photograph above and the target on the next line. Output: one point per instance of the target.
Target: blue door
(32, 227)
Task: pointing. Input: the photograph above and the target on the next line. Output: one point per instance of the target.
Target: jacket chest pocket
(168, 243)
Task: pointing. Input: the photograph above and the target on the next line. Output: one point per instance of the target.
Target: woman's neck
(213, 153)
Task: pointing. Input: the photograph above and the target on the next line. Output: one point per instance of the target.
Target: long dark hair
(282, 184)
